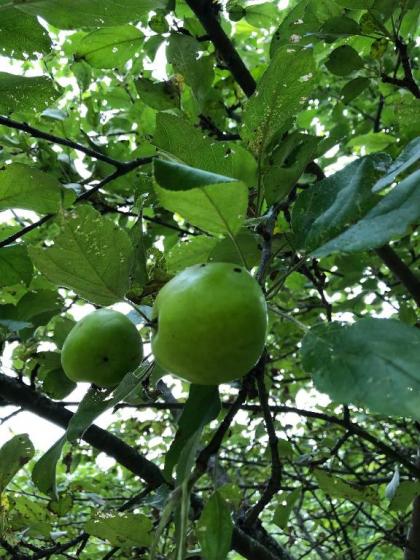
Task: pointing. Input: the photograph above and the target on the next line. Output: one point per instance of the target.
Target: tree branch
(36, 133)
(412, 551)
(204, 12)
(274, 483)
(410, 281)
(408, 82)
(122, 170)
(21, 395)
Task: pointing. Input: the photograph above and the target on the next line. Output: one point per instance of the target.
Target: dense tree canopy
(141, 137)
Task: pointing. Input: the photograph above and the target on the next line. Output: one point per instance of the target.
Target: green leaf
(372, 363)
(14, 454)
(36, 307)
(123, 530)
(25, 94)
(158, 95)
(262, 15)
(227, 251)
(91, 255)
(44, 471)
(109, 47)
(21, 35)
(95, 402)
(70, 14)
(193, 250)
(57, 385)
(215, 529)
(15, 265)
(372, 141)
(302, 22)
(279, 96)
(23, 186)
(285, 503)
(338, 488)
(354, 88)
(62, 505)
(202, 406)
(331, 205)
(409, 155)
(344, 60)
(404, 495)
(185, 54)
(355, 4)
(339, 26)
(286, 164)
(186, 142)
(212, 202)
(389, 219)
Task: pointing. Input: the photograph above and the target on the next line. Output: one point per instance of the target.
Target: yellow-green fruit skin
(211, 324)
(101, 348)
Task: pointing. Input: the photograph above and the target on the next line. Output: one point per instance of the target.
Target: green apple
(211, 322)
(101, 348)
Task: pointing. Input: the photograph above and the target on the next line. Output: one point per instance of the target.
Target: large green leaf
(21, 35)
(202, 406)
(408, 157)
(69, 14)
(372, 363)
(123, 530)
(184, 53)
(344, 60)
(389, 219)
(336, 487)
(302, 22)
(404, 495)
(15, 265)
(186, 142)
(23, 186)
(279, 96)
(25, 94)
(95, 402)
(158, 95)
(327, 208)
(285, 501)
(286, 163)
(91, 255)
(215, 528)
(43, 473)
(14, 454)
(109, 47)
(212, 202)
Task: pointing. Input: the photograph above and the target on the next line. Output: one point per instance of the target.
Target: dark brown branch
(203, 11)
(274, 482)
(122, 170)
(408, 82)
(351, 427)
(410, 281)
(36, 133)
(21, 395)
(412, 551)
(18, 394)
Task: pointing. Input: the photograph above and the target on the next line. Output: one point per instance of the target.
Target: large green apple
(101, 348)
(211, 322)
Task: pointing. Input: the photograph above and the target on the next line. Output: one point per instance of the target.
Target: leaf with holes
(91, 255)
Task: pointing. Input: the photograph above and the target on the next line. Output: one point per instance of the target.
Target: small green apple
(101, 348)
(211, 322)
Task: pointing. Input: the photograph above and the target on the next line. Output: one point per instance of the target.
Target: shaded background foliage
(138, 138)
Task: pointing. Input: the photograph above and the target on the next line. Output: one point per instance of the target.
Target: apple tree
(145, 144)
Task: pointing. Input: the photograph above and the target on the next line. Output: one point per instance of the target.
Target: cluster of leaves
(140, 137)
